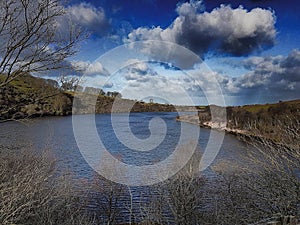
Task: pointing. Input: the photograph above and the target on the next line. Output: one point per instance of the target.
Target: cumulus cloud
(89, 69)
(166, 52)
(138, 67)
(89, 17)
(225, 30)
(273, 78)
(149, 78)
(171, 89)
(137, 71)
(269, 79)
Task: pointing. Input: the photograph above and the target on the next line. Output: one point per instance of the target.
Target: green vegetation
(265, 120)
(267, 107)
(28, 96)
(258, 120)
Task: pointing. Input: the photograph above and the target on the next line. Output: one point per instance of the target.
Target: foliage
(28, 96)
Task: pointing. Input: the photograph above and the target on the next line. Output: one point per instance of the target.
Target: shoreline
(220, 126)
(48, 115)
(241, 134)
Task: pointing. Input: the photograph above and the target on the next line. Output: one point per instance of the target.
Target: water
(56, 134)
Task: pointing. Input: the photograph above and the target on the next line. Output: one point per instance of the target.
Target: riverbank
(194, 119)
(31, 97)
(267, 121)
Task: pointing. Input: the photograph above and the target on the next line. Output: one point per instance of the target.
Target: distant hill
(268, 120)
(30, 96)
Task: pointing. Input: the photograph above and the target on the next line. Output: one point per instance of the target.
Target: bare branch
(35, 37)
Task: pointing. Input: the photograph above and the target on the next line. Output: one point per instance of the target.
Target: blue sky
(250, 49)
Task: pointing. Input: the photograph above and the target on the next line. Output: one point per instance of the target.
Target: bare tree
(278, 181)
(35, 37)
(33, 191)
(179, 199)
(108, 200)
(69, 83)
(232, 199)
(184, 199)
(270, 185)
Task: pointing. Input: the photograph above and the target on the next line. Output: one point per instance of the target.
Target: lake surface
(56, 134)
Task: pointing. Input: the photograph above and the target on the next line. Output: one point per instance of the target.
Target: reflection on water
(56, 134)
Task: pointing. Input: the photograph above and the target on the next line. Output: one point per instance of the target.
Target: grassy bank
(28, 97)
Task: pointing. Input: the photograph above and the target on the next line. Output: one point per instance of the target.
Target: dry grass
(31, 192)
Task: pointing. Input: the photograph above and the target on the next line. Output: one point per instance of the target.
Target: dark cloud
(292, 61)
(167, 52)
(225, 30)
(168, 66)
(273, 78)
(108, 85)
(269, 79)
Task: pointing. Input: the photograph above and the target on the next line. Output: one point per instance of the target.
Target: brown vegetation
(28, 96)
(268, 185)
(256, 120)
(31, 39)
(31, 191)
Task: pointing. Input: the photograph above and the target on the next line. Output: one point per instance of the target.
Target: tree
(178, 200)
(108, 199)
(35, 38)
(109, 93)
(279, 162)
(69, 83)
(93, 90)
(266, 182)
(34, 191)
(116, 94)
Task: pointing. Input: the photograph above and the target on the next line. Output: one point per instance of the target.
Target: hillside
(273, 121)
(29, 96)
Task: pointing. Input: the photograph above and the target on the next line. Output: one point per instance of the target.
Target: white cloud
(270, 79)
(88, 17)
(90, 69)
(276, 78)
(145, 79)
(136, 65)
(226, 30)
(188, 8)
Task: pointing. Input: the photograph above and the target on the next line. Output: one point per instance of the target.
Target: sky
(191, 52)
